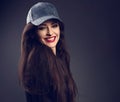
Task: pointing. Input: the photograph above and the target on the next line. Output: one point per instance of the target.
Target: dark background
(93, 38)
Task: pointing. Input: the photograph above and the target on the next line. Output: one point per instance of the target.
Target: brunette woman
(44, 69)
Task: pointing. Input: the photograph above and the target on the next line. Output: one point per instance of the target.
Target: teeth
(50, 38)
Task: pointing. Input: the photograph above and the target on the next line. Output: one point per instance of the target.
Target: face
(49, 33)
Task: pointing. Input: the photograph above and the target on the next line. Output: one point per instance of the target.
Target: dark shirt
(47, 97)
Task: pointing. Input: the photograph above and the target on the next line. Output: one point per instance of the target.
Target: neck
(54, 50)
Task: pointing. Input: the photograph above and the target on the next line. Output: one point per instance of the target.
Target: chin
(51, 46)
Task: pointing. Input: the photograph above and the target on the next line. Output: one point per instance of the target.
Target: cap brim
(43, 19)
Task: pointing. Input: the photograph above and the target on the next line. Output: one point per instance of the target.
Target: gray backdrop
(93, 38)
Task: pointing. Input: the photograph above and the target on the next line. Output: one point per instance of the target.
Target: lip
(50, 39)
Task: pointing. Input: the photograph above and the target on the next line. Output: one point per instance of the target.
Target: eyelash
(55, 25)
(43, 27)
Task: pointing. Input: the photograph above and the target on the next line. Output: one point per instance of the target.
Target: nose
(49, 31)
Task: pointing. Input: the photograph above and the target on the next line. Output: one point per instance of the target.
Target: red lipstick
(50, 39)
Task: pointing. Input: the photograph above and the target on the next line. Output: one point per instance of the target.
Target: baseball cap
(41, 12)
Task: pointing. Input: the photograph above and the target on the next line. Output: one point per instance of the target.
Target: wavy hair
(40, 70)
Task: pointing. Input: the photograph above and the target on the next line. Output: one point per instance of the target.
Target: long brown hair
(40, 69)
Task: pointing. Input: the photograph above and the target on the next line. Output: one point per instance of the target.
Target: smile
(50, 39)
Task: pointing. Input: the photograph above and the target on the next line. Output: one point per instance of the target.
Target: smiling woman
(44, 69)
(49, 33)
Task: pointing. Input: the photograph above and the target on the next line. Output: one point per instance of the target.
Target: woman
(44, 70)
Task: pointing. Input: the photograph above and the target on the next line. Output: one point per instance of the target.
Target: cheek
(58, 32)
(40, 36)
(59, 35)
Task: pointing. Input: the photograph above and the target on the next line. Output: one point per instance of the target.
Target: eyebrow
(44, 24)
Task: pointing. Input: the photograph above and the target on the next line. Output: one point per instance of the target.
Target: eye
(55, 25)
(41, 28)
